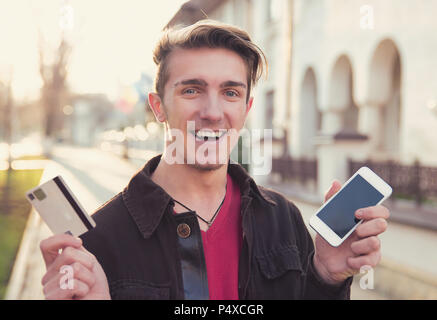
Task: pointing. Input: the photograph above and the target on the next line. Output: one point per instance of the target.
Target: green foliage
(14, 211)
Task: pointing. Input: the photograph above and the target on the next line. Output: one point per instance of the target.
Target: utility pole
(285, 124)
(7, 125)
(7, 117)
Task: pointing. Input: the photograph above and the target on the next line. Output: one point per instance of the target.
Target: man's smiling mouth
(208, 135)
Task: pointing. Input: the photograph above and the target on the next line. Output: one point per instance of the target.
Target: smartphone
(59, 208)
(335, 220)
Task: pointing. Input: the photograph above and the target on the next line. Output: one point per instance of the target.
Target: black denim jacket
(149, 253)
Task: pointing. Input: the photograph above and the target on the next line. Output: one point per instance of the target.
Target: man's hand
(89, 279)
(363, 247)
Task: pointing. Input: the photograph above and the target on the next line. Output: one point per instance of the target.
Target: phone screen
(339, 214)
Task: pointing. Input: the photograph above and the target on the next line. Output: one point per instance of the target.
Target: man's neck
(191, 184)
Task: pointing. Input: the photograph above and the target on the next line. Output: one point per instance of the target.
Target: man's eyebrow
(198, 82)
(231, 83)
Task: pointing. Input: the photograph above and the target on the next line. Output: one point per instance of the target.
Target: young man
(193, 225)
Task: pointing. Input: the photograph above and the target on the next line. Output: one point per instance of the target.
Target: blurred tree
(6, 108)
(6, 104)
(3, 98)
(54, 91)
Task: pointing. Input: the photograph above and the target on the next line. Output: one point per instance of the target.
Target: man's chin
(207, 166)
(207, 162)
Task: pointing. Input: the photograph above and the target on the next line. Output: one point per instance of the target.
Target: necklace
(211, 221)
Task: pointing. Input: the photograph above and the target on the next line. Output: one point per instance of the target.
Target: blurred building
(86, 116)
(361, 77)
(132, 101)
(347, 79)
(29, 118)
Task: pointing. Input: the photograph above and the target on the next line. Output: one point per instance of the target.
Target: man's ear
(249, 105)
(157, 107)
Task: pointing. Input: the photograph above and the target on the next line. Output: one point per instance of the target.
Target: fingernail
(359, 213)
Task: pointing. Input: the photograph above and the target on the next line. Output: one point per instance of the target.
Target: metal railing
(302, 169)
(414, 181)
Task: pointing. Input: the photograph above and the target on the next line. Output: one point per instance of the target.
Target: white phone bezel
(324, 230)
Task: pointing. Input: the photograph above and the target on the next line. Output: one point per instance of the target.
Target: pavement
(407, 270)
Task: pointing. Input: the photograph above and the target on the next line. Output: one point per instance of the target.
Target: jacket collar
(147, 202)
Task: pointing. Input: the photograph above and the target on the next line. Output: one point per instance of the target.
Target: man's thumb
(335, 186)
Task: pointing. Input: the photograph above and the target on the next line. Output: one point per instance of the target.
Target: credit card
(59, 208)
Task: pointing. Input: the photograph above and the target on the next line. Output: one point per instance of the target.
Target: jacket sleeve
(315, 288)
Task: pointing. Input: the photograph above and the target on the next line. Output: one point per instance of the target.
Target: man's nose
(212, 109)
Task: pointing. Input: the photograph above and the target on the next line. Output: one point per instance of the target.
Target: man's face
(206, 89)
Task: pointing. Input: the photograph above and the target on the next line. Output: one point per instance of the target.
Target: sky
(112, 41)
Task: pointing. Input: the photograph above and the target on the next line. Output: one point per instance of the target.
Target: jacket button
(184, 230)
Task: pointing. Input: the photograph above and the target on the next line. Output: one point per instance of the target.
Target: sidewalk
(408, 266)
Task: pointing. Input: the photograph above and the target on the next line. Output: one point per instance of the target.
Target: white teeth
(207, 134)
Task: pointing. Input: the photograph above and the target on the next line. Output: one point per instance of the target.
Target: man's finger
(83, 274)
(83, 249)
(371, 260)
(69, 256)
(52, 287)
(335, 186)
(55, 290)
(366, 246)
(50, 247)
(371, 228)
(372, 213)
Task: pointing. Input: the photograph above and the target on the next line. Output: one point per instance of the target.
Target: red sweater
(222, 245)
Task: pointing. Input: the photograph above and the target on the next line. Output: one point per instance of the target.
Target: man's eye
(190, 91)
(231, 93)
